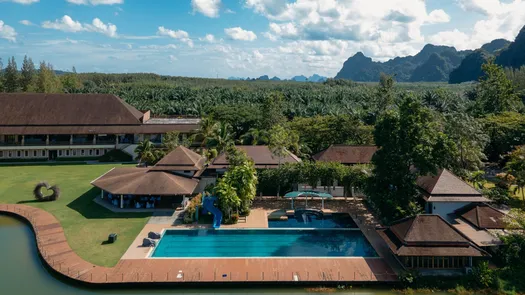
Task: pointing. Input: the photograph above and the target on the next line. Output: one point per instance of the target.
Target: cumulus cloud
(67, 24)
(209, 8)
(258, 55)
(238, 33)
(95, 2)
(26, 22)
(208, 38)
(181, 35)
(454, 38)
(7, 32)
(438, 16)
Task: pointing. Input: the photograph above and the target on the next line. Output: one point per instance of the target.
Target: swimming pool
(335, 220)
(263, 243)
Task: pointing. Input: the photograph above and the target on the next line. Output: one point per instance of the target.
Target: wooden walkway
(56, 252)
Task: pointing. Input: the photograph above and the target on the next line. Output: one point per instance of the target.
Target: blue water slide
(208, 206)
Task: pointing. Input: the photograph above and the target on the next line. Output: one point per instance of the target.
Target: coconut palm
(221, 137)
(207, 127)
(254, 137)
(147, 152)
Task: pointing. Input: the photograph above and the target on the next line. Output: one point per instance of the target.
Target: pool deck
(134, 268)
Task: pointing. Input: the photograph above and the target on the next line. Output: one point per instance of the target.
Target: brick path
(55, 251)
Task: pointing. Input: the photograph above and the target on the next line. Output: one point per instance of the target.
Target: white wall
(445, 208)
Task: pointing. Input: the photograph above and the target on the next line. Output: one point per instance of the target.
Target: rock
(153, 235)
(148, 243)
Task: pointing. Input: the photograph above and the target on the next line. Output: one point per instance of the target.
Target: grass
(86, 224)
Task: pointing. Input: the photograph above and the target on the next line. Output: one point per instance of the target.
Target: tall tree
(272, 111)
(243, 177)
(11, 76)
(516, 167)
(47, 81)
(173, 139)
(278, 140)
(221, 137)
(410, 144)
(70, 81)
(385, 92)
(207, 127)
(495, 93)
(27, 72)
(147, 153)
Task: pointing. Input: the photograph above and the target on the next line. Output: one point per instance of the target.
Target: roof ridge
(438, 176)
(411, 226)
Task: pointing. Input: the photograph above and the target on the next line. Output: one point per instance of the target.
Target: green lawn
(86, 224)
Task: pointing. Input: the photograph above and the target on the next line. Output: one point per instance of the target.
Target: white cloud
(486, 7)
(208, 38)
(181, 35)
(173, 58)
(67, 24)
(288, 30)
(258, 55)
(209, 8)
(26, 22)
(438, 16)
(7, 32)
(95, 2)
(454, 38)
(25, 2)
(159, 47)
(238, 33)
(270, 36)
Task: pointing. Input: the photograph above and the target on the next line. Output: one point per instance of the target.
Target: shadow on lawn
(91, 210)
(29, 202)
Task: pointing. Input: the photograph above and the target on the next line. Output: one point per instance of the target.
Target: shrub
(115, 156)
(499, 195)
(408, 278)
(244, 211)
(191, 209)
(483, 275)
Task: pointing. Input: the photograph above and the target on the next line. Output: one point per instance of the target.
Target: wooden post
(71, 139)
(47, 139)
(121, 201)
(23, 139)
(102, 194)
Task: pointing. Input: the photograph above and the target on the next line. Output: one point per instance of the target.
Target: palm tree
(254, 137)
(221, 137)
(207, 127)
(278, 141)
(146, 152)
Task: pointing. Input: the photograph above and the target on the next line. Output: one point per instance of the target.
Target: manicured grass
(86, 224)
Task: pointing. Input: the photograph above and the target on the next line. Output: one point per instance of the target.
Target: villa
(37, 126)
(347, 154)
(428, 242)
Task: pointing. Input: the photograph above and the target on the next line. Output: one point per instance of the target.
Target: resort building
(445, 193)
(164, 185)
(38, 126)
(347, 154)
(261, 155)
(430, 244)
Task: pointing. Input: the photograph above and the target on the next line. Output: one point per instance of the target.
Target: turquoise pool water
(263, 243)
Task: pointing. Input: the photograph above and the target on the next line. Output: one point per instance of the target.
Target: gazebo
(306, 194)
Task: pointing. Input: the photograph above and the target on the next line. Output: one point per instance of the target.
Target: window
(26, 154)
(60, 153)
(10, 154)
(18, 154)
(67, 153)
(74, 152)
(91, 152)
(1, 154)
(43, 153)
(34, 153)
(82, 152)
(97, 152)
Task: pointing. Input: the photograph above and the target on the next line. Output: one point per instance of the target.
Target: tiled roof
(142, 181)
(180, 159)
(260, 154)
(347, 154)
(427, 235)
(446, 184)
(482, 216)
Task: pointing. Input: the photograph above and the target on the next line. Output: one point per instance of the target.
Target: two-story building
(38, 126)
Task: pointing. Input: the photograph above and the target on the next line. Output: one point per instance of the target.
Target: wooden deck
(59, 256)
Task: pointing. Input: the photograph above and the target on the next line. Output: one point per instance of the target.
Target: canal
(22, 273)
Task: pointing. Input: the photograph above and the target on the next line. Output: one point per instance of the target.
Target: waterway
(22, 273)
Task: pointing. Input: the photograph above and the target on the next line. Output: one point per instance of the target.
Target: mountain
(514, 55)
(496, 45)
(301, 78)
(506, 54)
(316, 78)
(432, 64)
(264, 78)
(275, 78)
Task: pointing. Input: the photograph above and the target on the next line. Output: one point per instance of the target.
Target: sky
(243, 38)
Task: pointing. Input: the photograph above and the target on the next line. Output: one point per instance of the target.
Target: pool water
(263, 243)
(336, 220)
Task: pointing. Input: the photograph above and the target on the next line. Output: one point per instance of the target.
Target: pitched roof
(427, 235)
(180, 159)
(260, 154)
(482, 216)
(142, 181)
(98, 129)
(447, 187)
(22, 109)
(347, 154)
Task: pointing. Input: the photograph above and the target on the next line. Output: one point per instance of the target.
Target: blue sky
(209, 38)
